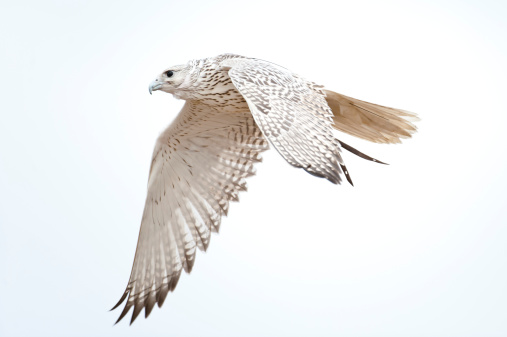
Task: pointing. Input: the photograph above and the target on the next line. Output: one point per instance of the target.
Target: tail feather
(372, 122)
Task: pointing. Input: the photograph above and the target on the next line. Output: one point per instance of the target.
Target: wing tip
(123, 297)
(124, 313)
(359, 153)
(347, 174)
(138, 307)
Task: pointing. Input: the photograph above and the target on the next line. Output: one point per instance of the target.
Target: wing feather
(293, 115)
(199, 165)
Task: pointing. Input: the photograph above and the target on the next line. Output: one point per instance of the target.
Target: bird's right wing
(199, 164)
(373, 122)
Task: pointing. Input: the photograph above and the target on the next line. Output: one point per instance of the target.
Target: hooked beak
(155, 85)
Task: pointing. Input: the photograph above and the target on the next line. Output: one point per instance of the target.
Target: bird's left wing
(293, 115)
(198, 166)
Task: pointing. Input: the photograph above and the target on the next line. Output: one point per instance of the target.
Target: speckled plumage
(234, 107)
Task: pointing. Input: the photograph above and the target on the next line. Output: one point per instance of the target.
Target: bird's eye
(169, 73)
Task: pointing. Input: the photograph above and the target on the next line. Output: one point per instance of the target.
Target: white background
(416, 248)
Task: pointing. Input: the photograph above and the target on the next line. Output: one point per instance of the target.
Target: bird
(236, 108)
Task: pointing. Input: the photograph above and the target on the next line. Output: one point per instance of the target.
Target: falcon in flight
(235, 107)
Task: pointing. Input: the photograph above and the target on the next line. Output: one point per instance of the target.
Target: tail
(372, 122)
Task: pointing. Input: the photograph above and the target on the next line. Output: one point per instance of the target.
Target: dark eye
(169, 73)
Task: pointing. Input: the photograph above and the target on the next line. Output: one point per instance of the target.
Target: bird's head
(198, 79)
(175, 80)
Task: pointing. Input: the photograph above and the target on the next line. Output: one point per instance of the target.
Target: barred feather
(194, 175)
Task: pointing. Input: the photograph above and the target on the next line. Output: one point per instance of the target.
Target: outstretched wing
(198, 166)
(293, 115)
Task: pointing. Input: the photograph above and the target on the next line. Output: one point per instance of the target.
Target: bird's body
(234, 107)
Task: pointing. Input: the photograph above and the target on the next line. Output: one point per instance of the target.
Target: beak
(155, 85)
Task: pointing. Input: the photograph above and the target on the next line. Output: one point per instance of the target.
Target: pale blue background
(417, 248)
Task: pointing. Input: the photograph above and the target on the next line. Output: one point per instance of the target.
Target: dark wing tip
(138, 307)
(347, 174)
(161, 295)
(148, 302)
(359, 153)
(380, 162)
(124, 296)
(124, 312)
